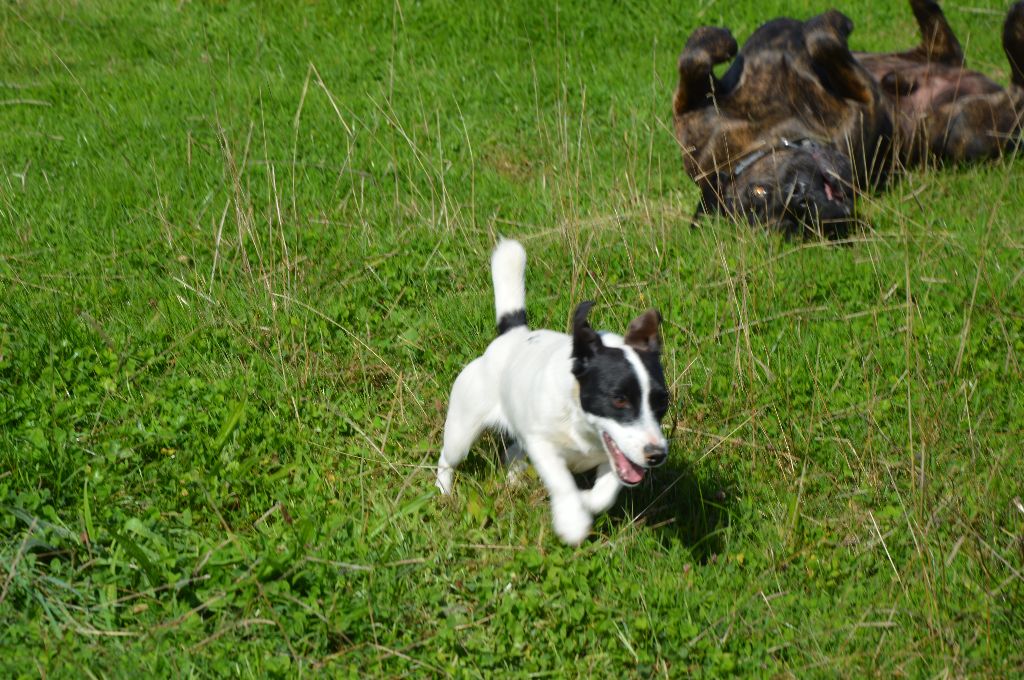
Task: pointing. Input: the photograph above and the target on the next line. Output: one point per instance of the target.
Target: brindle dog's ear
(643, 333)
(712, 200)
(585, 340)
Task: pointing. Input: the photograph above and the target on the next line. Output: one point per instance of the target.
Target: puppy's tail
(508, 270)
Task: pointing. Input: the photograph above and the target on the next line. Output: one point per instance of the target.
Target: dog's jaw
(629, 473)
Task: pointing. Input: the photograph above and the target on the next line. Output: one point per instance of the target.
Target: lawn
(243, 256)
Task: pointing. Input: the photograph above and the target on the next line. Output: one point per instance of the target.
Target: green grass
(243, 255)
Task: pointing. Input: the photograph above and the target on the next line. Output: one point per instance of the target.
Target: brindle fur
(796, 80)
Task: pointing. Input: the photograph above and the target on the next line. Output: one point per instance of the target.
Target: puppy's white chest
(586, 461)
(578, 454)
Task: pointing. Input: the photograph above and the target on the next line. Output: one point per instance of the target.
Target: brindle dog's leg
(938, 46)
(988, 124)
(938, 43)
(698, 86)
(706, 47)
(1013, 45)
(826, 36)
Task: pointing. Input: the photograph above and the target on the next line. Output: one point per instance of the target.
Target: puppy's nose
(655, 454)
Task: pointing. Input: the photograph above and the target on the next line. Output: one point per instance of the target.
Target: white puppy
(572, 402)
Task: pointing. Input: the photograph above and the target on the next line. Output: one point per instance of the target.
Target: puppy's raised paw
(572, 522)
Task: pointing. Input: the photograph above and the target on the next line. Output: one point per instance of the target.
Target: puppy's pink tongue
(628, 471)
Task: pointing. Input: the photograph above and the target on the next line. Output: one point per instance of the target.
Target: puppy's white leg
(470, 408)
(600, 497)
(572, 521)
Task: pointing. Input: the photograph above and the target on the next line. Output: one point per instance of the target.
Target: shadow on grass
(681, 505)
(674, 501)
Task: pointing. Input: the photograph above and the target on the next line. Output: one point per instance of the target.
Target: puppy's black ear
(643, 333)
(585, 340)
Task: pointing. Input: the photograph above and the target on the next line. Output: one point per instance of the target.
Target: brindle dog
(799, 123)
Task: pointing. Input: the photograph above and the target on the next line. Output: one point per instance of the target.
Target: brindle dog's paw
(826, 34)
(924, 8)
(712, 43)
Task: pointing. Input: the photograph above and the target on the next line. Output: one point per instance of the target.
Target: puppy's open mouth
(629, 472)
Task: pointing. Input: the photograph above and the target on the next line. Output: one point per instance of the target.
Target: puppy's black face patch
(609, 385)
(658, 396)
(610, 388)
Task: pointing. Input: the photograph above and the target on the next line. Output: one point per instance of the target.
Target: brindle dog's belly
(923, 99)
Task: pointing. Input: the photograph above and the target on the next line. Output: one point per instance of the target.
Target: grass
(243, 255)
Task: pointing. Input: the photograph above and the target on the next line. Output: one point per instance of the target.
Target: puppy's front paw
(572, 522)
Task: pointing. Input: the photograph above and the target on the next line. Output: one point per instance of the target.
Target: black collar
(749, 159)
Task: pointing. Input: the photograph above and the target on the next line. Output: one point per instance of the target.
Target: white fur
(523, 384)
(508, 271)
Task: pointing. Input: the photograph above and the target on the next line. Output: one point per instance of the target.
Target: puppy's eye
(620, 402)
(759, 192)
